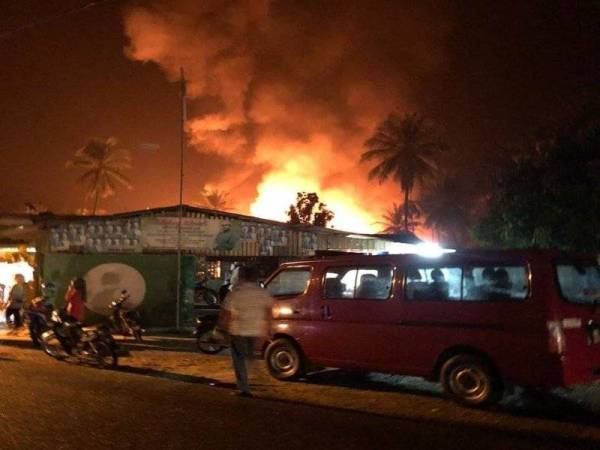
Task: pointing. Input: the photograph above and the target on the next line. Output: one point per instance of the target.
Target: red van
(475, 321)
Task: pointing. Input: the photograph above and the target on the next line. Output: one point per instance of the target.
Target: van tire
(284, 360)
(471, 381)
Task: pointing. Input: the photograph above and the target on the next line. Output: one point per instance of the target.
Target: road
(48, 404)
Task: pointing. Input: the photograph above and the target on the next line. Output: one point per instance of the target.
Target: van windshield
(289, 282)
(579, 283)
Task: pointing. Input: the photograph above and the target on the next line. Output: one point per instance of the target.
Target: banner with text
(197, 233)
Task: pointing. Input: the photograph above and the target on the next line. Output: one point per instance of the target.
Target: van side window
(579, 282)
(370, 283)
(433, 283)
(339, 282)
(496, 282)
(289, 282)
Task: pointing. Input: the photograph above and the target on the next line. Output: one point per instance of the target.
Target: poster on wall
(308, 243)
(105, 282)
(266, 237)
(97, 236)
(197, 233)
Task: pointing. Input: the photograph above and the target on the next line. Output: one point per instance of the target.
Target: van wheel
(284, 360)
(470, 380)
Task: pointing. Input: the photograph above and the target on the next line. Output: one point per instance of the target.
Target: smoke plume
(288, 91)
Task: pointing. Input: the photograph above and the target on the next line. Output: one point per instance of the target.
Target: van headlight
(282, 311)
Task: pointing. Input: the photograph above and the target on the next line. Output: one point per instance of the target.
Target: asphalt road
(47, 404)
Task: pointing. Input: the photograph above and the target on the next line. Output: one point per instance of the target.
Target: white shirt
(250, 308)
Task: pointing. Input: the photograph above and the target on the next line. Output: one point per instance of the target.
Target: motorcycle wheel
(52, 346)
(205, 346)
(105, 356)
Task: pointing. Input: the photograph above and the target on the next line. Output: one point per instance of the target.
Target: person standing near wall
(76, 297)
(16, 300)
(245, 317)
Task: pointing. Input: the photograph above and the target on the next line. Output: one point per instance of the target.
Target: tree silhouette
(303, 212)
(548, 196)
(103, 163)
(446, 205)
(215, 199)
(393, 219)
(404, 148)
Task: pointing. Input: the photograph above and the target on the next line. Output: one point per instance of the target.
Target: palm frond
(117, 177)
(103, 163)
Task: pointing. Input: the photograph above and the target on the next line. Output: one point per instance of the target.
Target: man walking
(246, 316)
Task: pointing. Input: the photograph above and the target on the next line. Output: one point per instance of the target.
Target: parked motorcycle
(39, 316)
(208, 339)
(126, 322)
(203, 295)
(67, 338)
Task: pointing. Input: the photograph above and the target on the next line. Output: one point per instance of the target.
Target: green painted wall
(159, 272)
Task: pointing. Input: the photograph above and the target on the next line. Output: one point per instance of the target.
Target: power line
(51, 18)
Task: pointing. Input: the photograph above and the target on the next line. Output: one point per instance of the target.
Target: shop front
(14, 261)
(18, 236)
(139, 251)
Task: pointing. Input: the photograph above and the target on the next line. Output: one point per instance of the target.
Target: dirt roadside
(563, 415)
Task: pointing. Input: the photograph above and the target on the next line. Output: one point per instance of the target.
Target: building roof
(408, 238)
(17, 229)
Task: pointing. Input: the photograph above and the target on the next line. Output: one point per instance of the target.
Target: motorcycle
(39, 316)
(125, 322)
(208, 339)
(204, 295)
(67, 338)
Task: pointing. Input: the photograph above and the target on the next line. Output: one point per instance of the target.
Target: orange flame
(278, 191)
(309, 167)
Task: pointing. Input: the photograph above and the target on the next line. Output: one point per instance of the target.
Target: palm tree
(215, 199)
(103, 163)
(393, 219)
(446, 207)
(404, 148)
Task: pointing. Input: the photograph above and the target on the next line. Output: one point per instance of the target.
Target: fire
(286, 101)
(278, 191)
(279, 188)
(349, 215)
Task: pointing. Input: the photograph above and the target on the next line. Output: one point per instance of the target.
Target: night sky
(488, 72)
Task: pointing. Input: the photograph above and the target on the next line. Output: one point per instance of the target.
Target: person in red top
(76, 297)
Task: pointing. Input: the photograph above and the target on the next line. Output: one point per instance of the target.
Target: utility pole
(180, 211)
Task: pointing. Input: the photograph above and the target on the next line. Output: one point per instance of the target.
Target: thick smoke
(287, 90)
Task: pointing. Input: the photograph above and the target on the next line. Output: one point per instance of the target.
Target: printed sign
(206, 233)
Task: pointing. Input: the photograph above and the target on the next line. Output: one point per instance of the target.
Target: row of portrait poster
(147, 233)
(203, 234)
(266, 238)
(97, 236)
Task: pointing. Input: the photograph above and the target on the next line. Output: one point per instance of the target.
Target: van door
(355, 307)
(451, 303)
(579, 319)
(292, 306)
